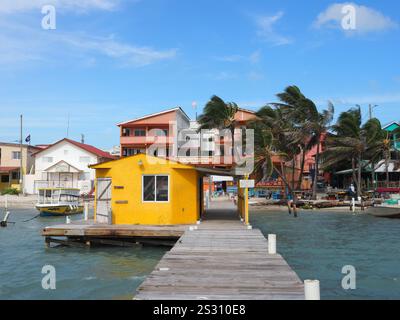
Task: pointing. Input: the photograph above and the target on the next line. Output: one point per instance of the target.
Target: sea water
(81, 273)
(317, 245)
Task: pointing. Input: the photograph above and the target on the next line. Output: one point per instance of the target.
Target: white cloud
(12, 6)
(266, 30)
(21, 44)
(222, 76)
(128, 54)
(255, 76)
(367, 19)
(253, 58)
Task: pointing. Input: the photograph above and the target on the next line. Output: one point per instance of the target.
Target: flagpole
(21, 170)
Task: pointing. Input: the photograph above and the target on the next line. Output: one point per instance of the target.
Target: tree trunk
(359, 191)
(373, 176)
(387, 169)
(303, 162)
(293, 172)
(315, 183)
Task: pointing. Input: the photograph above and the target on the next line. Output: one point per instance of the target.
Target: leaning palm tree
(355, 142)
(309, 124)
(272, 140)
(218, 114)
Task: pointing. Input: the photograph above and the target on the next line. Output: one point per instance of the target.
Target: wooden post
(246, 202)
(86, 211)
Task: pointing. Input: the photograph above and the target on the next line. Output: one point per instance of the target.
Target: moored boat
(59, 202)
(386, 210)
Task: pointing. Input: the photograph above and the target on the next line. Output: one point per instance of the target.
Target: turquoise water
(95, 273)
(317, 245)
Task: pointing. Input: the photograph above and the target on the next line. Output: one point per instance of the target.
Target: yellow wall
(183, 205)
(12, 184)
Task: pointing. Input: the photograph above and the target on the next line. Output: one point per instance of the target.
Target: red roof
(8, 169)
(86, 147)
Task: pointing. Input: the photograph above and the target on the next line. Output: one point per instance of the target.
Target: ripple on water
(96, 273)
(318, 245)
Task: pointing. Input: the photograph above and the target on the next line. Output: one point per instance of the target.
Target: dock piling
(312, 290)
(272, 243)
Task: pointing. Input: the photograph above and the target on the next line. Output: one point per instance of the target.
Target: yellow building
(147, 190)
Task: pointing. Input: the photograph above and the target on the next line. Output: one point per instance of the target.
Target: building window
(47, 159)
(131, 152)
(140, 132)
(16, 155)
(65, 152)
(126, 132)
(15, 175)
(161, 132)
(84, 159)
(155, 188)
(5, 179)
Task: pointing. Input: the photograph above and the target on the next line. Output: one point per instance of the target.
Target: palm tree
(272, 139)
(361, 144)
(218, 114)
(309, 125)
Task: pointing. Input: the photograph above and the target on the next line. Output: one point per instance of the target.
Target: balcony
(147, 140)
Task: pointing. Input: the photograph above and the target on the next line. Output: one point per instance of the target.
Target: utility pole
(371, 108)
(21, 170)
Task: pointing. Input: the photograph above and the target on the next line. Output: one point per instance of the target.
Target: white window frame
(155, 187)
(16, 155)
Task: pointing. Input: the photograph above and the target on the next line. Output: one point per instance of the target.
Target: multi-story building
(138, 135)
(10, 163)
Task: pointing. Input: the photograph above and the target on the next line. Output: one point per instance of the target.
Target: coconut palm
(309, 125)
(272, 140)
(361, 144)
(218, 114)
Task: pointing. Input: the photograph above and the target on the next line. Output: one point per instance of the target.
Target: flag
(28, 139)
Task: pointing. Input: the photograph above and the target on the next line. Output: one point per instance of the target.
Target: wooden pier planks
(222, 260)
(85, 229)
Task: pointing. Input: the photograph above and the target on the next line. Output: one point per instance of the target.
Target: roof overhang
(62, 167)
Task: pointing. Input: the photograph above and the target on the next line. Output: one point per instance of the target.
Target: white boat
(59, 202)
(385, 211)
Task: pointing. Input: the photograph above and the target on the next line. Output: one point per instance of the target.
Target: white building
(64, 164)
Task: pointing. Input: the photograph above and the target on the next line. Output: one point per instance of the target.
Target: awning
(8, 169)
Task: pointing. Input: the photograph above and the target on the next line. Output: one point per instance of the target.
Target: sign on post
(246, 183)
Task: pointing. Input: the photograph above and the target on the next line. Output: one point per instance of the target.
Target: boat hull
(62, 210)
(385, 212)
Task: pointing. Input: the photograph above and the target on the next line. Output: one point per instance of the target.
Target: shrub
(11, 191)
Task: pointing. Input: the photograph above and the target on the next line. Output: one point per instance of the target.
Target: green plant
(10, 191)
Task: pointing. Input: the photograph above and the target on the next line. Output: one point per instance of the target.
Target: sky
(108, 61)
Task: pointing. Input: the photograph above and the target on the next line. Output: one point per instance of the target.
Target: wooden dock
(221, 260)
(83, 233)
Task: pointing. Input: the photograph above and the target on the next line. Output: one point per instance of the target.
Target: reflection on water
(95, 273)
(318, 244)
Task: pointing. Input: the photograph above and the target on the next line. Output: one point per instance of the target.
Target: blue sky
(108, 60)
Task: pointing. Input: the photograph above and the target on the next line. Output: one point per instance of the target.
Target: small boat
(59, 202)
(386, 210)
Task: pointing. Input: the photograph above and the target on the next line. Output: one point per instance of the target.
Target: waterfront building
(10, 163)
(147, 190)
(64, 164)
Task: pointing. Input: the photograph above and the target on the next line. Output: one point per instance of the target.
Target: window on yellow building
(155, 188)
